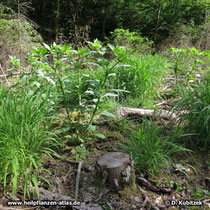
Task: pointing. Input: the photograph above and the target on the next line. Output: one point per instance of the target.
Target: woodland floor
(190, 184)
(63, 177)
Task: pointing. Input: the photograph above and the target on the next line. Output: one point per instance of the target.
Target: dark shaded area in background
(70, 19)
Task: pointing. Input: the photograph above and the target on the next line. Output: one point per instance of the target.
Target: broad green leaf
(125, 65)
(100, 135)
(95, 100)
(64, 47)
(91, 128)
(103, 61)
(37, 84)
(34, 50)
(120, 90)
(108, 114)
(104, 106)
(43, 51)
(50, 80)
(109, 95)
(86, 75)
(46, 46)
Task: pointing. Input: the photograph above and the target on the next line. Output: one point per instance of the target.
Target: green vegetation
(195, 105)
(25, 137)
(132, 40)
(85, 82)
(149, 149)
(195, 61)
(17, 35)
(62, 96)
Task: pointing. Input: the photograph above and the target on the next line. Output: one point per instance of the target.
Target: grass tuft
(196, 116)
(149, 149)
(24, 139)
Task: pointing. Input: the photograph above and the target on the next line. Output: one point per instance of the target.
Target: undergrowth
(195, 114)
(150, 149)
(25, 137)
(75, 87)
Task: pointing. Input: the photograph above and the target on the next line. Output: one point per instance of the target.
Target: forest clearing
(104, 104)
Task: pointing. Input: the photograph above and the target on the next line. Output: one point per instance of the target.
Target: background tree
(156, 19)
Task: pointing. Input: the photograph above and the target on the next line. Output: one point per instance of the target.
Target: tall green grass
(195, 102)
(24, 138)
(141, 78)
(150, 149)
(138, 76)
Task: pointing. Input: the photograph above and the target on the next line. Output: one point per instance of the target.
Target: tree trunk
(57, 21)
(158, 18)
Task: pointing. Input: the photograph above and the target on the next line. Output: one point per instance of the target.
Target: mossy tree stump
(116, 169)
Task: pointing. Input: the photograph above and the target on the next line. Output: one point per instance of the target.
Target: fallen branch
(9, 75)
(4, 75)
(152, 186)
(77, 180)
(84, 166)
(147, 200)
(128, 112)
(65, 177)
(109, 205)
(104, 192)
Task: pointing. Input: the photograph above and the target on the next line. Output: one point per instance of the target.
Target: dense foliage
(58, 93)
(81, 19)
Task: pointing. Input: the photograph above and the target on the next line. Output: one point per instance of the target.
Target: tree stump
(116, 169)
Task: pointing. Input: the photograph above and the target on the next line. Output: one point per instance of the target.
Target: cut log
(130, 112)
(116, 169)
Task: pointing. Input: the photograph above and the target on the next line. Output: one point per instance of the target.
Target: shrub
(17, 35)
(66, 71)
(195, 60)
(132, 40)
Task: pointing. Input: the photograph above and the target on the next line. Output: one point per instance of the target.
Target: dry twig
(77, 180)
(147, 200)
(84, 166)
(5, 77)
(104, 192)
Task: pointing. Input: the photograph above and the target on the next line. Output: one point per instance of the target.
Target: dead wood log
(129, 112)
(116, 169)
(150, 185)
